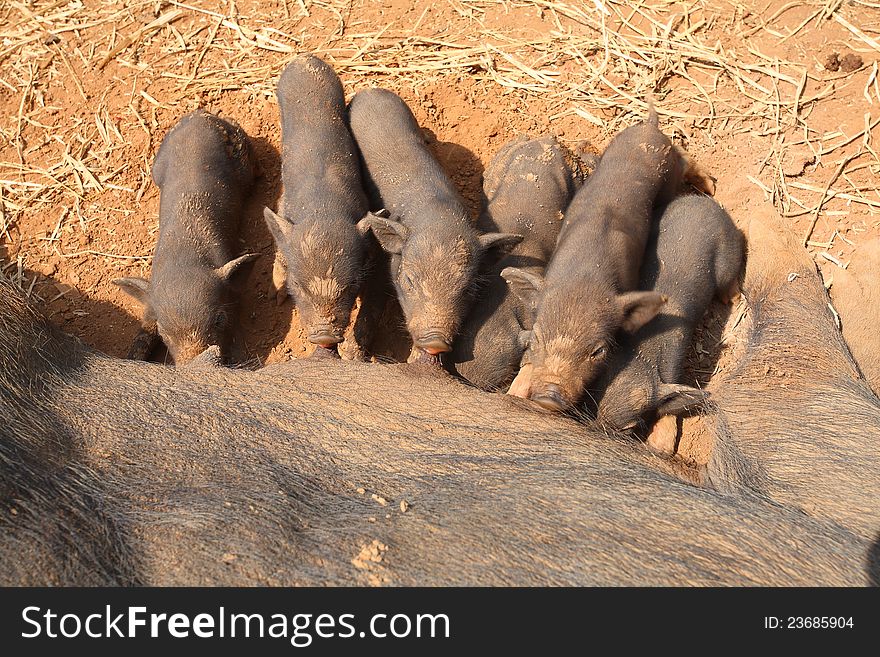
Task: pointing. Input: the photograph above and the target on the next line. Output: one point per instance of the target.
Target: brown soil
(88, 90)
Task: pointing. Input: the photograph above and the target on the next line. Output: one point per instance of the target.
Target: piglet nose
(433, 343)
(549, 397)
(324, 339)
(324, 336)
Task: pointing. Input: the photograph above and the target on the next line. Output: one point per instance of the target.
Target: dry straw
(597, 60)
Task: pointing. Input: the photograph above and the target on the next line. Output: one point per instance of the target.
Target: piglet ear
(526, 286)
(673, 398)
(365, 224)
(280, 227)
(391, 234)
(236, 271)
(639, 308)
(497, 245)
(137, 288)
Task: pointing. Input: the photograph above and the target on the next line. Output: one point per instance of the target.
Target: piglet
(204, 170)
(321, 247)
(527, 187)
(435, 250)
(589, 292)
(695, 252)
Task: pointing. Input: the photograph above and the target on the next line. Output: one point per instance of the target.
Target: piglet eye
(598, 352)
(406, 280)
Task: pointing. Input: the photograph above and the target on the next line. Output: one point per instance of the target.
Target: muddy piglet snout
(548, 396)
(433, 342)
(324, 335)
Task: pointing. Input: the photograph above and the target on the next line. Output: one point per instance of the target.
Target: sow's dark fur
(331, 472)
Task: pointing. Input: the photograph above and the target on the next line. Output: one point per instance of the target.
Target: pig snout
(433, 342)
(325, 335)
(550, 397)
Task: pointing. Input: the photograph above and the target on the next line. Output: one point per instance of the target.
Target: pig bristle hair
(218, 476)
(577, 412)
(250, 364)
(479, 282)
(589, 394)
(369, 267)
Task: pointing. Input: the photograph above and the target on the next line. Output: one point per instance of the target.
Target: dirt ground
(779, 100)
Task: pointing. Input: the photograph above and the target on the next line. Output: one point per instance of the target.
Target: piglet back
(204, 150)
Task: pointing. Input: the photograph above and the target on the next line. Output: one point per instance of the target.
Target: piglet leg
(359, 337)
(143, 345)
(522, 383)
(730, 293)
(663, 436)
(279, 278)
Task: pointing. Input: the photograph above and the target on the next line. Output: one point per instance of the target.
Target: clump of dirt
(369, 562)
(832, 62)
(851, 62)
(795, 161)
(848, 63)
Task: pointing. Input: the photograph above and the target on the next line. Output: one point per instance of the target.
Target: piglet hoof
(587, 159)
(326, 352)
(730, 294)
(522, 383)
(695, 175)
(279, 278)
(699, 179)
(351, 350)
(662, 438)
(143, 345)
